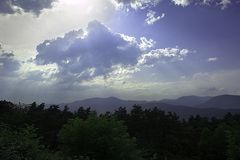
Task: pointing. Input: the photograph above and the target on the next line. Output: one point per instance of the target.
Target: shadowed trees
(23, 143)
(149, 134)
(99, 138)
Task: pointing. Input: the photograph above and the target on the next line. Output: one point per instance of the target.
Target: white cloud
(129, 39)
(212, 59)
(224, 4)
(207, 2)
(152, 17)
(154, 56)
(146, 44)
(50, 23)
(134, 4)
(143, 4)
(101, 58)
(182, 3)
(101, 52)
(221, 82)
(82, 57)
(202, 84)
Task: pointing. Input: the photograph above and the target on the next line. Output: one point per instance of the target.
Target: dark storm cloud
(84, 56)
(8, 65)
(33, 6)
(6, 7)
(8, 55)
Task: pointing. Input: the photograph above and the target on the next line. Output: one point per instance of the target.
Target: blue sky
(64, 50)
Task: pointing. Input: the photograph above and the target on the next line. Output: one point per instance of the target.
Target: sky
(56, 51)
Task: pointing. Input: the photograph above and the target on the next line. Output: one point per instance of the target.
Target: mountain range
(184, 107)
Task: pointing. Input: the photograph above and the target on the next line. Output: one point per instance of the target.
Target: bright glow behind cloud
(127, 52)
(64, 16)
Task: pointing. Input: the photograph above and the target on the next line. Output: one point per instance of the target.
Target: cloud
(143, 4)
(224, 4)
(212, 59)
(83, 55)
(146, 44)
(6, 7)
(136, 4)
(10, 54)
(29, 6)
(95, 61)
(164, 54)
(201, 83)
(221, 82)
(66, 67)
(207, 2)
(182, 3)
(152, 17)
(8, 64)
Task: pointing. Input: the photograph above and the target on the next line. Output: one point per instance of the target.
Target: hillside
(222, 102)
(110, 104)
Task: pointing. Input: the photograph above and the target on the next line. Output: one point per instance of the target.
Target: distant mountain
(186, 112)
(187, 100)
(222, 102)
(102, 105)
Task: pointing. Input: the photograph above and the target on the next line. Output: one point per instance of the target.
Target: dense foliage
(99, 138)
(23, 143)
(36, 132)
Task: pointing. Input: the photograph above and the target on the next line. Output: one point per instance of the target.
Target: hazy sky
(64, 50)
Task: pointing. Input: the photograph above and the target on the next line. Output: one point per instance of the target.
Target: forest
(38, 132)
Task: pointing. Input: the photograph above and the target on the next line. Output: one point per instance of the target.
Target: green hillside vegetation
(36, 132)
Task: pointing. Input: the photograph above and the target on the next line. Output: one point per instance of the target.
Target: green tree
(233, 146)
(23, 144)
(99, 138)
(204, 145)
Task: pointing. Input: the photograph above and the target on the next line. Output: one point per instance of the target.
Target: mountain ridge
(222, 101)
(187, 100)
(197, 103)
